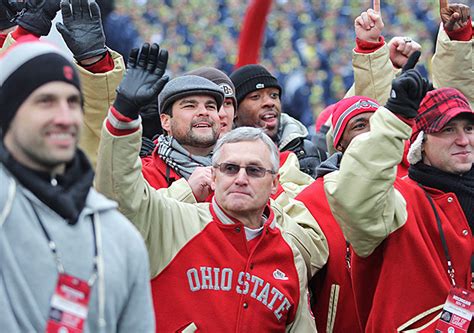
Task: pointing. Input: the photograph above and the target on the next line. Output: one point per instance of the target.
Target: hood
(290, 129)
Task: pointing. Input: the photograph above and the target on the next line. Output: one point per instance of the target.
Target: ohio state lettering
(215, 278)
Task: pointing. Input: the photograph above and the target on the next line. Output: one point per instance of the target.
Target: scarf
(68, 197)
(178, 158)
(461, 185)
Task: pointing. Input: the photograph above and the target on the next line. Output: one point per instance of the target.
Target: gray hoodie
(120, 299)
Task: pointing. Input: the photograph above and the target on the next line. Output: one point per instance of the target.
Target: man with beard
(189, 113)
(259, 105)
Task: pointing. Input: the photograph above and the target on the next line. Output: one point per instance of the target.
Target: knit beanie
(436, 109)
(219, 78)
(25, 67)
(249, 78)
(188, 85)
(348, 108)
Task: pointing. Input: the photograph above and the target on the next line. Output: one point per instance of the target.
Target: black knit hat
(250, 78)
(25, 67)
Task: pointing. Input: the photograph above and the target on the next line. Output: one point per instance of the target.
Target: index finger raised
(443, 4)
(376, 6)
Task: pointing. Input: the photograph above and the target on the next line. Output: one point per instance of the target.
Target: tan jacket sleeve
(453, 65)
(304, 321)
(9, 41)
(99, 93)
(165, 224)
(373, 74)
(291, 178)
(361, 194)
(304, 232)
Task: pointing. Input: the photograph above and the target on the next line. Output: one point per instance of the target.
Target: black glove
(7, 15)
(38, 15)
(82, 29)
(143, 80)
(147, 148)
(412, 61)
(407, 92)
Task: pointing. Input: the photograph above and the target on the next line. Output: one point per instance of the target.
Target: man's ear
(166, 122)
(213, 179)
(275, 183)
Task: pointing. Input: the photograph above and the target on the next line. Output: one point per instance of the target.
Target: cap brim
(441, 121)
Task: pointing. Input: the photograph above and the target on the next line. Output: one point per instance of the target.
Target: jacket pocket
(332, 310)
(190, 328)
(411, 325)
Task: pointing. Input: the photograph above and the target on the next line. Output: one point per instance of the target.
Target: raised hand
(82, 28)
(143, 80)
(401, 48)
(369, 25)
(454, 16)
(38, 15)
(407, 93)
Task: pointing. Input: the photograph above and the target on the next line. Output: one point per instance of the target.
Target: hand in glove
(143, 80)
(407, 92)
(82, 28)
(38, 15)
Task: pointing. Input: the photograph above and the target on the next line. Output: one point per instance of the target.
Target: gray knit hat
(219, 78)
(187, 85)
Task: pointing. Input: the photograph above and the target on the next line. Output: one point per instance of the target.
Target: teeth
(61, 136)
(270, 116)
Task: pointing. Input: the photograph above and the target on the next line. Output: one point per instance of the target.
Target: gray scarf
(178, 158)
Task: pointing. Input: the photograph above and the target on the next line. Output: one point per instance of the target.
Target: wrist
(365, 46)
(120, 125)
(463, 34)
(125, 107)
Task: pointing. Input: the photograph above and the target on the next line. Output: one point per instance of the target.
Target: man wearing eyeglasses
(224, 266)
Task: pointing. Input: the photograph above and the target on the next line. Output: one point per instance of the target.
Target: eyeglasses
(253, 171)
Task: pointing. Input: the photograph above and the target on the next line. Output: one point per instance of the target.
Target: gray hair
(245, 134)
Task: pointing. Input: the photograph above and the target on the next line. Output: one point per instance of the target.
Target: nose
(65, 114)
(202, 110)
(241, 178)
(268, 100)
(222, 113)
(463, 138)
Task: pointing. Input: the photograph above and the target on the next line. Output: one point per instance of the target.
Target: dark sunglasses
(253, 171)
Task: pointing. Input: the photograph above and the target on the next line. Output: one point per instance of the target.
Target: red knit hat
(324, 116)
(437, 108)
(348, 108)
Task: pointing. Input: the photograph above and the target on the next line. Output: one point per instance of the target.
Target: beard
(192, 138)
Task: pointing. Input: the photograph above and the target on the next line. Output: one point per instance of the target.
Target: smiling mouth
(202, 125)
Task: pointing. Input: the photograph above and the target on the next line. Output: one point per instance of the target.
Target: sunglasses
(253, 171)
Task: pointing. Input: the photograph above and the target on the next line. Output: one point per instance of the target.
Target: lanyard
(57, 258)
(443, 239)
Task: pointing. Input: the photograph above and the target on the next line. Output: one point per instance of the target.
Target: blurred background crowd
(307, 44)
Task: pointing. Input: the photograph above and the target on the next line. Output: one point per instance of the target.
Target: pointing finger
(443, 4)
(377, 6)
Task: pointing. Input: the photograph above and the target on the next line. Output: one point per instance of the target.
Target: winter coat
(453, 65)
(181, 240)
(399, 269)
(121, 294)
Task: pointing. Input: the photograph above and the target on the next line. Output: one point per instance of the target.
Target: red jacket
(333, 301)
(412, 259)
(220, 283)
(157, 173)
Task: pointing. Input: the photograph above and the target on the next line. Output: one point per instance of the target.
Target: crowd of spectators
(307, 43)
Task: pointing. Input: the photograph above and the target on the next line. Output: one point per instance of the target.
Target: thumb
(412, 61)
(159, 84)
(63, 30)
